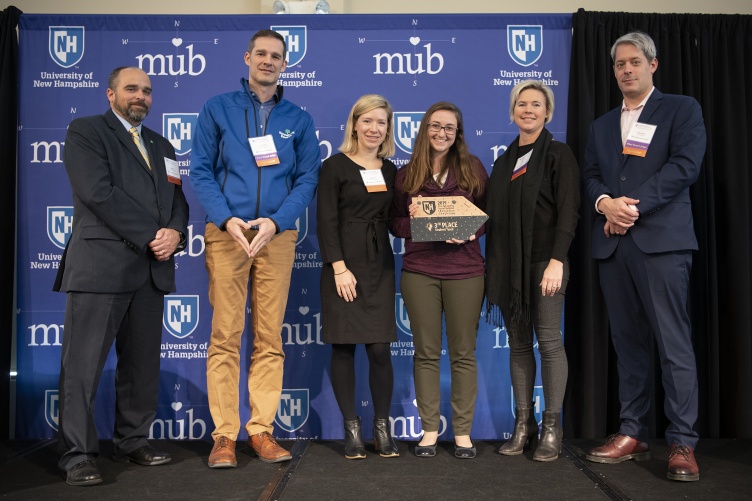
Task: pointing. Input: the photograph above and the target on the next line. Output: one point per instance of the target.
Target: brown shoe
(223, 454)
(682, 465)
(267, 449)
(619, 448)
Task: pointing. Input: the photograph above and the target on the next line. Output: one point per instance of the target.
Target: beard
(132, 113)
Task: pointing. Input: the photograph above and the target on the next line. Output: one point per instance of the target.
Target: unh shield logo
(429, 207)
(295, 39)
(525, 43)
(178, 129)
(301, 224)
(406, 124)
(403, 321)
(292, 412)
(52, 408)
(539, 403)
(180, 316)
(66, 45)
(59, 225)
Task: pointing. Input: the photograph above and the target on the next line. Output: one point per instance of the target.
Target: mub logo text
(187, 427)
(190, 63)
(410, 62)
(409, 427)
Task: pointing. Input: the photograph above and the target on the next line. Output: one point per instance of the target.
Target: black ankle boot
(525, 430)
(551, 435)
(354, 448)
(382, 439)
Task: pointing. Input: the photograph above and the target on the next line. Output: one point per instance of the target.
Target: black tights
(380, 378)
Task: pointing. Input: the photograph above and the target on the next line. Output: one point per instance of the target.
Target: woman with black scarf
(533, 202)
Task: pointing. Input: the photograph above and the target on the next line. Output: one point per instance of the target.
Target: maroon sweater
(438, 259)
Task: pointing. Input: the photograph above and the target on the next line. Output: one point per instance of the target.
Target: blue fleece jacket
(224, 174)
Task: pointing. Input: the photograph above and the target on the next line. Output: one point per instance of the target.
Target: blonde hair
(363, 105)
(514, 96)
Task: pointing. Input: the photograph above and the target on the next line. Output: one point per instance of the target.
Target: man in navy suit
(129, 218)
(640, 161)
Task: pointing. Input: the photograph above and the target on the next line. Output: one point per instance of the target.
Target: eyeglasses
(449, 130)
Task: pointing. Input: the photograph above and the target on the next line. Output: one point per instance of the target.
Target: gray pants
(545, 315)
(460, 301)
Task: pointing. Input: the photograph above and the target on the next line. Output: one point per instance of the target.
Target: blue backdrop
(413, 60)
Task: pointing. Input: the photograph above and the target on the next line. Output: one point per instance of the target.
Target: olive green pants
(460, 301)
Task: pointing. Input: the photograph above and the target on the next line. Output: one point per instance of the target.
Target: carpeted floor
(318, 471)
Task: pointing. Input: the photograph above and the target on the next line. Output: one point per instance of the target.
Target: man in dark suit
(129, 218)
(640, 161)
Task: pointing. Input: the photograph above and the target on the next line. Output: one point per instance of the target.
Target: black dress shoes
(464, 452)
(83, 473)
(145, 456)
(426, 451)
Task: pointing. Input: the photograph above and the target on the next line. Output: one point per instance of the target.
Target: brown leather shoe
(267, 449)
(682, 465)
(223, 454)
(619, 448)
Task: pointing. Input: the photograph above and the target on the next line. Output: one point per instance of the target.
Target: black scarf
(511, 210)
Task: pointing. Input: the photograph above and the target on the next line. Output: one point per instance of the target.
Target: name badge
(173, 171)
(639, 139)
(264, 150)
(373, 180)
(521, 166)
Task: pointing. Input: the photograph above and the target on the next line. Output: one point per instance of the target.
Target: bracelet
(340, 273)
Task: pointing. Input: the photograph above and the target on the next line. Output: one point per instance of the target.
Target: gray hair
(538, 85)
(640, 40)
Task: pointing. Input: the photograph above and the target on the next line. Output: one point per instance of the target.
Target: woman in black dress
(357, 281)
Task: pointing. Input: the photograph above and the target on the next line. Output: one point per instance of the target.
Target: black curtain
(703, 56)
(8, 133)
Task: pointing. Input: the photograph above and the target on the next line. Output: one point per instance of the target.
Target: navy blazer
(119, 204)
(660, 180)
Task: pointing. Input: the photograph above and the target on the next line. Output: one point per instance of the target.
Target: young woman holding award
(443, 278)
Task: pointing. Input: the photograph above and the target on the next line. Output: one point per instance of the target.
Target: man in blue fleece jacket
(254, 168)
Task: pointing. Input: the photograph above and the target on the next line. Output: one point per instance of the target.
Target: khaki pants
(460, 301)
(230, 270)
